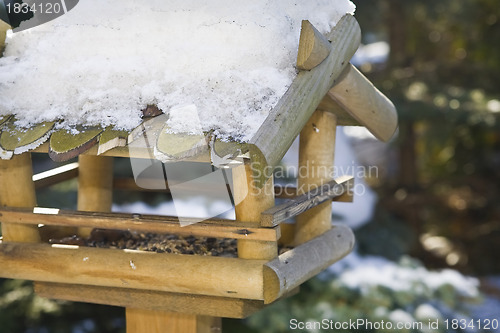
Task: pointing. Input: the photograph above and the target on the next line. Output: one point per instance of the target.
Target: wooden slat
(111, 138)
(151, 300)
(56, 175)
(218, 228)
(296, 266)
(188, 274)
(300, 204)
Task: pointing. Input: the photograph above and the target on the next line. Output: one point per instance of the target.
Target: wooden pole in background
(18, 190)
(95, 186)
(316, 153)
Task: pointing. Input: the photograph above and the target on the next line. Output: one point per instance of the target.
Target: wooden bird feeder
(189, 293)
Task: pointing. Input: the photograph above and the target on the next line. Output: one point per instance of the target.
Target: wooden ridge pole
(316, 153)
(18, 190)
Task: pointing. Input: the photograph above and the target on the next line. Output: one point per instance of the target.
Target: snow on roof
(106, 60)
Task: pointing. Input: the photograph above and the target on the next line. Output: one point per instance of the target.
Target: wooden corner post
(316, 153)
(18, 190)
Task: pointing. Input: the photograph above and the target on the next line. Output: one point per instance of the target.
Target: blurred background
(429, 230)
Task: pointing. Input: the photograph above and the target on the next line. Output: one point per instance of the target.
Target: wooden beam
(65, 145)
(151, 300)
(313, 47)
(111, 138)
(20, 140)
(218, 228)
(296, 266)
(306, 201)
(95, 186)
(187, 274)
(178, 146)
(56, 175)
(288, 117)
(316, 153)
(365, 103)
(17, 190)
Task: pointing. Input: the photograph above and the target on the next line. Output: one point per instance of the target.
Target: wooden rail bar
(151, 300)
(296, 266)
(219, 228)
(306, 201)
(188, 274)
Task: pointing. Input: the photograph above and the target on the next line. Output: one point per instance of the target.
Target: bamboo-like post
(95, 186)
(148, 321)
(18, 190)
(316, 153)
(250, 202)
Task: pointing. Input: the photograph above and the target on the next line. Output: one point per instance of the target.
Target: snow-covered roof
(175, 78)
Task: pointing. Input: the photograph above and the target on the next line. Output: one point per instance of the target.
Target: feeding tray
(128, 274)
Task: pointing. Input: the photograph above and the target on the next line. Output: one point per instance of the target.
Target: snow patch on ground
(357, 271)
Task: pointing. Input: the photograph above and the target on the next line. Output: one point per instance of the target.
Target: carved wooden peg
(313, 47)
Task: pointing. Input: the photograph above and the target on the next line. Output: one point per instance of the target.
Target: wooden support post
(18, 190)
(316, 153)
(95, 186)
(250, 202)
(149, 321)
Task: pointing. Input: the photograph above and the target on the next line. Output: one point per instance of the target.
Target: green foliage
(404, 297)
(21, 310)
(443, 75)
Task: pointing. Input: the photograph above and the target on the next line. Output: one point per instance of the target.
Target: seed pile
(160, 243)
(171, 244)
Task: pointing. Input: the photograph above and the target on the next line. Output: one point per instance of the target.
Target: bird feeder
(190, 293)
